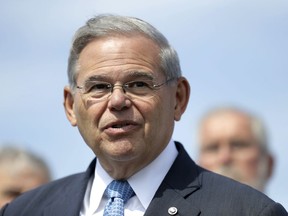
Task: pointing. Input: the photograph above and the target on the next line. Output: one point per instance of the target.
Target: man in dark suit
(125, 93)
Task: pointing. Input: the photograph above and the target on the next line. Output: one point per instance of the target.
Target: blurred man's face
(14, 182)
(228, 147)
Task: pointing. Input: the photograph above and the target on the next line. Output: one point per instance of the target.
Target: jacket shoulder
(225, 196)
(62, 197)
(191, 188)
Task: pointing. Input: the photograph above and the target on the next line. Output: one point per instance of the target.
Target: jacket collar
(181, 182)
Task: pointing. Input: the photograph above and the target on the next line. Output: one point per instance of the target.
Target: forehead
(227, 124)
(228, 118)
(114, 55)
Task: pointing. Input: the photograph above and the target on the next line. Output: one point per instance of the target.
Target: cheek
(161, 116)
(88, 121)
(158, 120)
(248, 162)
(208, 161)
(250, 157)
(88, 114)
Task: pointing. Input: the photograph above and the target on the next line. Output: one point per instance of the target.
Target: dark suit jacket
(187, 187)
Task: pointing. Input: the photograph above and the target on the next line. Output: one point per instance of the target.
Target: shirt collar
(144, 183)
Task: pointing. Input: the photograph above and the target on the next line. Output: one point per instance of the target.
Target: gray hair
(110, 25)
(13, 155)
(257, 125)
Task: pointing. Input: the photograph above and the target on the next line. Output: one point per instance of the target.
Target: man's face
(121, 129)
(228, 147)
(15, 181)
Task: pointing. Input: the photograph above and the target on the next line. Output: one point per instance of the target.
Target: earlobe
(182, 97)
(68, 106)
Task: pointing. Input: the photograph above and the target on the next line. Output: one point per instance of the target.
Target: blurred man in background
(20, 171)
(233, 143)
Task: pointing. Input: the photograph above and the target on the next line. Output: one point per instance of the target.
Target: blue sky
(232, 52)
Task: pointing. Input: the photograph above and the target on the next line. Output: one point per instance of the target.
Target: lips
(119, 124)
(119, 127)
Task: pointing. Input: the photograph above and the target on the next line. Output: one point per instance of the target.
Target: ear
(270, 166)
(182, 97)
(68, 105)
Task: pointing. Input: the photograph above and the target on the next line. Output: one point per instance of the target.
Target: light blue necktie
(118, 193)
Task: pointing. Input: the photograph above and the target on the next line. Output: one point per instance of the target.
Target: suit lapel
(171, 199)
(70, 198)
(180, 182)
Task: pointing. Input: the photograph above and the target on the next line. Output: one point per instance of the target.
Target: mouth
(120, 127)
(119, 124)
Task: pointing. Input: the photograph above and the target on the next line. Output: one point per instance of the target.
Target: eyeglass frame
(124, 87)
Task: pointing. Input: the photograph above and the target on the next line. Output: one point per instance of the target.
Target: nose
(118, 100)
(225, 155)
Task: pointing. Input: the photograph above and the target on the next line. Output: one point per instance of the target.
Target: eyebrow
(138, 74)
(131, 74)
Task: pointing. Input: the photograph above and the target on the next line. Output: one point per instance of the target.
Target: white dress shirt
(144, 183)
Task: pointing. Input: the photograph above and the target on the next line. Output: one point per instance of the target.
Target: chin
(120, 150)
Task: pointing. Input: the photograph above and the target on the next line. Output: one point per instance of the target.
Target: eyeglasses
(100, 90)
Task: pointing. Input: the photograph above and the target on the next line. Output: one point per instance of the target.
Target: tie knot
(119, 189)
